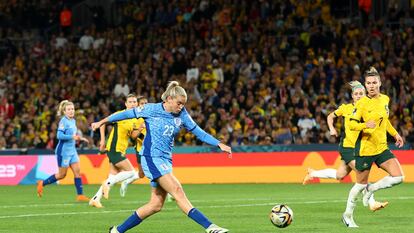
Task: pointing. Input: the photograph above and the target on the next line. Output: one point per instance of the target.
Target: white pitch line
(138, 202)
(168, 209)
(65, 213)
(286, 200)
(38, 205)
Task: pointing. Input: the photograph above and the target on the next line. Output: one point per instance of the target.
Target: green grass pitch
(242, 208)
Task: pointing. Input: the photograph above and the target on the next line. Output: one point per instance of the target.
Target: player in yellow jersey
(346, 145)
(371, 118)
(139, 136)
(120, 167)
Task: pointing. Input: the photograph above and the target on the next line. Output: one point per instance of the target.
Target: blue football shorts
(155, 167)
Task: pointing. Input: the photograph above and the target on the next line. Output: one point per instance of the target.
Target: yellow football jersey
(373, 141)
(141, 136)
(349, 137)
(119, 137)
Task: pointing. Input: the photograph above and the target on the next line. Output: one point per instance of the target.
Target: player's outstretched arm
(209, 139)
(224, 147)
(127, 114)
(96, 125)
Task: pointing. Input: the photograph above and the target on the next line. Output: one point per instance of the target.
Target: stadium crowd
(257, 72)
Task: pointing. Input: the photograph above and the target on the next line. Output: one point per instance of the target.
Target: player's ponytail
(173, 89)
(371, 72)
(62, 107)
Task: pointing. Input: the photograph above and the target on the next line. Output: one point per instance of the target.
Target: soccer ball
(281, 215)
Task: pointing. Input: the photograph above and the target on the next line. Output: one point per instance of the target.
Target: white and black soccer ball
(281, 215)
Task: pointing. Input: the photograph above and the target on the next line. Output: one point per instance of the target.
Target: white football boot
(113, 229)
(348, 220)
(213, 228)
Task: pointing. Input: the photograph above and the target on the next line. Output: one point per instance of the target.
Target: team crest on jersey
(387, 109)
(177, 121)
(139, 109)
(61, 126)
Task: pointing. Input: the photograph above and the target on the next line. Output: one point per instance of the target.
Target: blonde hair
(62, 107)
(130, 95)
(355, 85)
(173, 89)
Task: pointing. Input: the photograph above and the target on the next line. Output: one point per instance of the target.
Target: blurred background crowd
(256, 72)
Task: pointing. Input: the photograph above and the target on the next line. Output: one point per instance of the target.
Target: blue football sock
(52, 179)
(78, 184)
(131, 222)
(199, 217)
